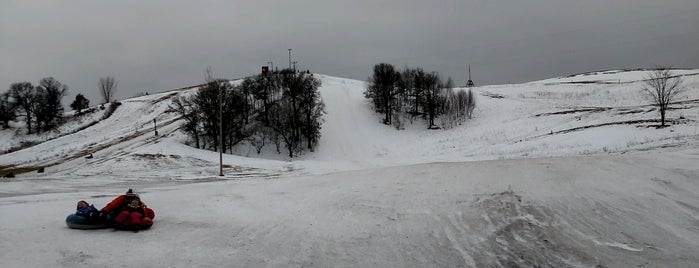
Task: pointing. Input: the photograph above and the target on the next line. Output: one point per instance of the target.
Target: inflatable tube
(80, 222)
(149, 214)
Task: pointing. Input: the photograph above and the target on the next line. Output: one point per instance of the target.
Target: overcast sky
(152, 46)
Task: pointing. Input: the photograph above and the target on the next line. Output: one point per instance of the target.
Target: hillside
(568, 171)
(575, 115)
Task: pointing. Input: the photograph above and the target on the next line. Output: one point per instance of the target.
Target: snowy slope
(546, 173)
(511, 121)
(611, 76)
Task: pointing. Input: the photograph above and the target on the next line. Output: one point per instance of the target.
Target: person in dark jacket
(86, 210)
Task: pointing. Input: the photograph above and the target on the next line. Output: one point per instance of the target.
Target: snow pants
(128, 218)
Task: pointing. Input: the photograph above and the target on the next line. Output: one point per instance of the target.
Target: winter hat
(83, 202)
(130, 193)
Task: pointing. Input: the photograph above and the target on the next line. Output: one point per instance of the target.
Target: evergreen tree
(80, 103)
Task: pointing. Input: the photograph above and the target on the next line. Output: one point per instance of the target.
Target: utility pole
(220, 128)
(271, 66)
(155, 127)
(290, 58)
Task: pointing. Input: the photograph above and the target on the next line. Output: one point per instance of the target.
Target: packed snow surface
(563, 172)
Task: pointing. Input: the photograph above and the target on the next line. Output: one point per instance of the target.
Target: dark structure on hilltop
(470, 82)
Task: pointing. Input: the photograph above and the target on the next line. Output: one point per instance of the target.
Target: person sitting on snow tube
(88, 211)
(131, 214)
(86, 216)
(121, 204)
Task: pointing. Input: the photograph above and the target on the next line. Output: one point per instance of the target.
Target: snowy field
(563, 172)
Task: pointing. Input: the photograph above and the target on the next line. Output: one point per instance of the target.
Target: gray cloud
(151, 46)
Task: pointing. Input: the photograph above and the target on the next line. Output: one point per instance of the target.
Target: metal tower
(470, 82)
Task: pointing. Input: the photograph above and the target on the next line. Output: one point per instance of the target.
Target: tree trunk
(196, 139)
(29, 123)
(662, 117)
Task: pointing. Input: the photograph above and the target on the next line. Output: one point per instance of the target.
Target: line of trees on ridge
(411, 93)
(283, 109)
(40, 106)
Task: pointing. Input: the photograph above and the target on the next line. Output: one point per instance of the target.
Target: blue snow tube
(81, 222)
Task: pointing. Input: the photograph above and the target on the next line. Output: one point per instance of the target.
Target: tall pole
(469, 84)
(271, 66)
(290, 58)
(220, 129)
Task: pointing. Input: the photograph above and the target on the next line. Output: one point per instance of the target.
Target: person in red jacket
(123, 203)
(131, 215)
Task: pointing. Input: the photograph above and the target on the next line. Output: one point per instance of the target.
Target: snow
(612, 76)
(546, 173)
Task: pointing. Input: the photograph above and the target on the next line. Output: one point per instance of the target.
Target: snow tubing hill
(80, 222)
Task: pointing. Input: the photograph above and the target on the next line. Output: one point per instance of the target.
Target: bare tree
(383, 89)
(661, 88)
(412, 89)
(49, 110)
(7, 110)
(186, 107)
(470, 103)
(107, 87)
(24, 97)
(433, 100)
(296, 118)
(448, 110)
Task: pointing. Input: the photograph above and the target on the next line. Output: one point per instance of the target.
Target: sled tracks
(521, 234)
(499, 230)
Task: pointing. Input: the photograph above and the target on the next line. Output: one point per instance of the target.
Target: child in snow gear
(123, 203)
(131, 214)
(86, 216)
(88, 211)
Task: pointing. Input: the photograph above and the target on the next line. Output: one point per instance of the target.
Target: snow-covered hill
(560, 172)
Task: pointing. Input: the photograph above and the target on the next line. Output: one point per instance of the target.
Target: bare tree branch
(107, 87)
(661, 88)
